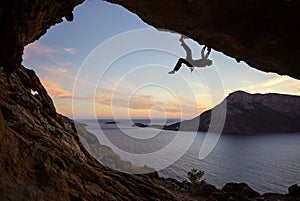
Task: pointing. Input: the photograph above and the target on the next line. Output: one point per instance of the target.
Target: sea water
(266, 162)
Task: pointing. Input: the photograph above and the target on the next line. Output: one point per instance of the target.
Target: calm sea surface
(266, 162)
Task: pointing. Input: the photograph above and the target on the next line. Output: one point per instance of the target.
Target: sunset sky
(108, 63)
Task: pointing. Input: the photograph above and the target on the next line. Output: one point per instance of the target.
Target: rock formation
(23, 22)
(43, 159)
(103, 153)
(264, 34)
(251, 113)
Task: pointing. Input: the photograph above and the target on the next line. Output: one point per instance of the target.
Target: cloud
(67, 97)
(37, 48)
(275, 84)
(70, 50)
(146, 102)
(278, 84)
(139, 102)
(59, 72)
(268, 84)
(274, 81)
(200, 86)
(54, 89)
(122, 103)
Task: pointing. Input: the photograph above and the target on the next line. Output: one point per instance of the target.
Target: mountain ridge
(250, 113)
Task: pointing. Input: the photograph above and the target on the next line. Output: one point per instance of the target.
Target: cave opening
(118, 67)
(58, 56)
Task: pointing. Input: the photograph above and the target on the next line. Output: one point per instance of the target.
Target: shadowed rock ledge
(264, 34)
(43, 159)
(23, 22)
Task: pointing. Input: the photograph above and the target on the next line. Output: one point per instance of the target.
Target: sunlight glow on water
(266, 162)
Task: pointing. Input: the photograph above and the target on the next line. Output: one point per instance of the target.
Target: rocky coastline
(187, 190)
(43, 158)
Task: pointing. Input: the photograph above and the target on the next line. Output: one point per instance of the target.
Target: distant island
(111, 122)
(141, 125)
(248, 114)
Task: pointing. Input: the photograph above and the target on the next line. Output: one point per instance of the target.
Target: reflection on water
(267, 162)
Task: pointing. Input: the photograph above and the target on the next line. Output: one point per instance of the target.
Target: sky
(107, 63)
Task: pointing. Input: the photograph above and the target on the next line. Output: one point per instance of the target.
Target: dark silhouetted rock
(141, 125)
(274, 197)
(111, 122)
(219, 196)
(294, 191)
(251, 113)
(211, 198)
(24, 22)
(208, 189)
(240, 189)
(42, 158)
(264, 34)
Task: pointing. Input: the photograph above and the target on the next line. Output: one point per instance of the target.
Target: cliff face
(103, 153)
(288, 104)
(262, 113)
(42, 158)
(252, 113)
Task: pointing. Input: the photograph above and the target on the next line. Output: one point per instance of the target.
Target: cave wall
(24, 21)
(263, 33)
(41, 157)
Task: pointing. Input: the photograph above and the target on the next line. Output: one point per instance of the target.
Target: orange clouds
(123, 104)
(143, 104)
(54, 89)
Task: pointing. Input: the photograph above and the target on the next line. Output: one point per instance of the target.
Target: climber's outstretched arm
(186, 48)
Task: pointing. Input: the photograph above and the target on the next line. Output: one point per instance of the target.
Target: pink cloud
(54, 89)
(70, 50)
(37, 48)
(60, 72)
(146, 102)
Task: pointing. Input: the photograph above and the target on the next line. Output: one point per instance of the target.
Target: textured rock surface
(103, 153)
(25, 21)
(252, 113)
(263, 33)
(42, 158)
